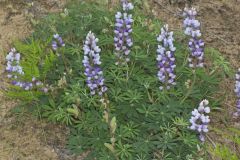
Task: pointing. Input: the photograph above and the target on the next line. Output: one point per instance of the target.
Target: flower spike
(166, 58)
(91, 62)
(196, 44)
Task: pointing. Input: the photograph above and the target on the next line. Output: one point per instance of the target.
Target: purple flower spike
(123, 29)
(199, 121)
(57, 42)
(166, 58)
(13, 64)
(15, 72)
(196, 44)
(91, 62)
(237, 91)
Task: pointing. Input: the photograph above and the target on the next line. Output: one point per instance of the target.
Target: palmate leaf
(145, 144)
(124, 151)
(76, 144)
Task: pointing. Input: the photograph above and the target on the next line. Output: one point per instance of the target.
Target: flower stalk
(123, 29)
(166, 59)
(15, 73)
(199, 120)
(195, 44)
(92, 62)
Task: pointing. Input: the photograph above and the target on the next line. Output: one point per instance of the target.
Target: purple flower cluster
(57, 42)
(13, 64)
(166, 58)
(91, 62)
(126, 5)
(196, 44)
(199, 121)
(123, 29)
(14, 71)
(237, 91)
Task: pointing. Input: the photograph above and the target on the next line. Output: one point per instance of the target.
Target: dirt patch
(22, 136)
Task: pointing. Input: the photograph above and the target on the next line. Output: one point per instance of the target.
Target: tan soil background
(23, 137)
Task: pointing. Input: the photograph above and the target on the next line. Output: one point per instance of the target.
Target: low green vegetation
(144, 122)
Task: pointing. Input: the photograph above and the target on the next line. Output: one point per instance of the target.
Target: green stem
(64, 61)
(106, 116)
(150, 97)
(130, 71)
(127, 77)
(191, 87)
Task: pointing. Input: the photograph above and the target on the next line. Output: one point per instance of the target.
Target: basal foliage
(150, 123)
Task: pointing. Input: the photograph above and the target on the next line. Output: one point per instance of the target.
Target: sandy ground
(23, 137)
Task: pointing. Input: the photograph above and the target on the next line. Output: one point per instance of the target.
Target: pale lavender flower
(166, 59)
(126, 5)
(199, 120)
(196, 44)
(44, 90)
(57, 42)
(13, 67)
(91, 62)
(123, 29)
(237, 91)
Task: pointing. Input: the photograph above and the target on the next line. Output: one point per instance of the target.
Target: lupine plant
(237, 91)
(199, 120)
(196, 44)
(132, 119)
(166, 58)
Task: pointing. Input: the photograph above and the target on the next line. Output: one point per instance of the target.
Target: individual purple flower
(91, 62)
(196, 44)
(237, 91)
(126, 5)
(57, 42)
(199, 120)
(166, 59)
(123, 29)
